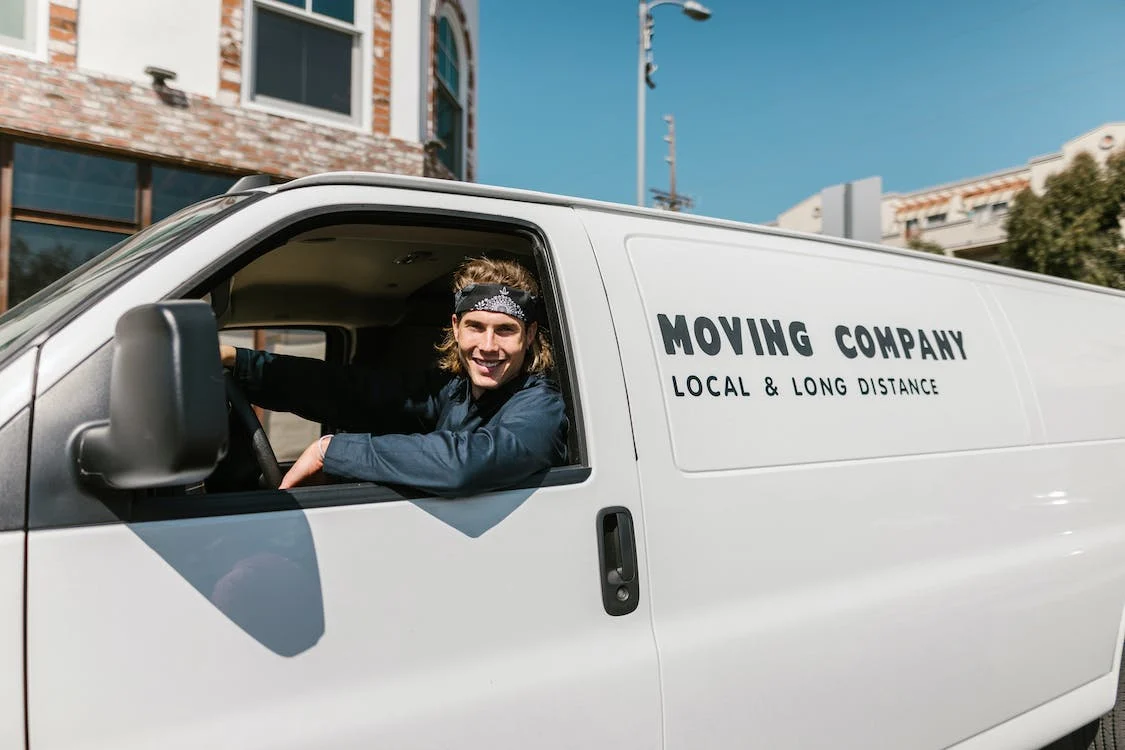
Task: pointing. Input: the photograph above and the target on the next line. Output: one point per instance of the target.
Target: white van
(821, 494)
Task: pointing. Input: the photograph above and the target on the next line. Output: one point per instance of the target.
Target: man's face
(492, 346)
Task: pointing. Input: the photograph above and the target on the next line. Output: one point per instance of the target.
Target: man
(488, 419)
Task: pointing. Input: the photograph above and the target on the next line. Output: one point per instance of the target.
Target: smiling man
(489, 417)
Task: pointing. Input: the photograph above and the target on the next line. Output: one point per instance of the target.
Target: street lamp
(645, 68)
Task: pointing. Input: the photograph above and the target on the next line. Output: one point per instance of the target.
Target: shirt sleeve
(347, 397)
(525, 437)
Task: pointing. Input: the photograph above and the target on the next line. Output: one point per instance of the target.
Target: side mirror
(167, 402)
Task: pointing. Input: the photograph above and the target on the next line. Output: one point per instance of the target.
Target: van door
(341, 616)
(854, 536)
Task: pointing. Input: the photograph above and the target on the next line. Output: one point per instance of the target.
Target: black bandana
(497, 298)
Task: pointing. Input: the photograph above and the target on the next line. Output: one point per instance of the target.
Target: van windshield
(38, 312)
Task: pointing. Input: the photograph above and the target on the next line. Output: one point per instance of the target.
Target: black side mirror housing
(167, 402)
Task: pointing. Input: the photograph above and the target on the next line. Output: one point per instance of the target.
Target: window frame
(362, 62)
(459, 97)
(36, 21)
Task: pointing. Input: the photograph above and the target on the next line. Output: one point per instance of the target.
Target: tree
(31, 270)
(917, 243)
(1073, 230)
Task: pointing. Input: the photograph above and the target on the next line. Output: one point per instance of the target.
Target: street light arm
(658, 3)
(694, 10)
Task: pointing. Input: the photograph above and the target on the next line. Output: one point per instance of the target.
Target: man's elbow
(466, 481)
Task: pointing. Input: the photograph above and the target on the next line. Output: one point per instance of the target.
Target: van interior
(352, 290)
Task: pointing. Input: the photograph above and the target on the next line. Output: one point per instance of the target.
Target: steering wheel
(259, 443)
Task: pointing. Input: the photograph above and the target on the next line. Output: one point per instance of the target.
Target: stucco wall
(166, 33)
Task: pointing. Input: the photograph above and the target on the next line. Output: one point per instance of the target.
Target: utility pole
(670, 200)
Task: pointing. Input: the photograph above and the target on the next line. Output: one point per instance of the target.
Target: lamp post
(695, 11)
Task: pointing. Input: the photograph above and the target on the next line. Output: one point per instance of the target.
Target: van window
(288, 433)
(374, 295)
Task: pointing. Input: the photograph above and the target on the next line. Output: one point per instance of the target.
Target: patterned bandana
(496, 298)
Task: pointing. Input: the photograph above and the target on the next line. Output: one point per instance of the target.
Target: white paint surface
(122, 37)
(409, 69)
(11, 639)
(789, 284)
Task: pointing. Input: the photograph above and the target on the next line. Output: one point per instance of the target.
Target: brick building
(966, 218)
(116, 113)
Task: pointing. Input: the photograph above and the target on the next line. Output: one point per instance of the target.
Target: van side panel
(834, 568)
(13, 491)
(11, 639)
(1074, 346)
(782, 348)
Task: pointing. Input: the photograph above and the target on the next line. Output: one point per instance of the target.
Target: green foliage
(917, 243)
(31, 271)
(1073, 229)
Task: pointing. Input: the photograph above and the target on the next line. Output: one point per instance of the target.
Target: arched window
(448, 114)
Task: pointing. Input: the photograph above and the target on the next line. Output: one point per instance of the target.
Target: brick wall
(62, 43)
(62, 103)
(230, 53)
(381, 80)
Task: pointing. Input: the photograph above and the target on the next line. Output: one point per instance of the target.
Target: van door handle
(617, 555)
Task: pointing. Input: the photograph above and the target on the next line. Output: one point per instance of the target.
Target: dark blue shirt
(419, 430)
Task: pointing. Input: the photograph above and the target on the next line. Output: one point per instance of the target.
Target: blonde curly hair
(539, 359)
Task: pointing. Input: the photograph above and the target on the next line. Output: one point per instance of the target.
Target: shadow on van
(260, 570)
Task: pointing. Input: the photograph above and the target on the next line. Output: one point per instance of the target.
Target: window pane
(344, 10)
(447, 63)
(302, 62)
(172, 189)
(295, 3)
(12, 18)
(277, 57)
(448, 115)
(42, 253)
(54, 180)
(329, 69)
(289, 434)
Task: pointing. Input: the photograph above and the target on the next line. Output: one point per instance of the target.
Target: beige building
(966, 217)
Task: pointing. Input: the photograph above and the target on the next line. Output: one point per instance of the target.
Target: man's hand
(308, 467)
(227, 355)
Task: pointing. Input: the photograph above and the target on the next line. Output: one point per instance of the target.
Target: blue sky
(776, 100)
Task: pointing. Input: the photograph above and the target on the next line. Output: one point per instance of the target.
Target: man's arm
(346, 396)
(526, 437)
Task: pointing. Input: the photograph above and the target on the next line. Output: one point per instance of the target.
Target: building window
(70, 182)
(911, 226)
(65, 206)
(448, 112)
(999, 209)
(306, 57)
(934, 220)
(174, 187)
(17, 23)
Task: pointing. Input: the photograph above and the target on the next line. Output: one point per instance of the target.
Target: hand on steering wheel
(259, 442)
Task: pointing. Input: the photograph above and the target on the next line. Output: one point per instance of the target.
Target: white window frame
(459, 33)
(362, 62)
(36, 18)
